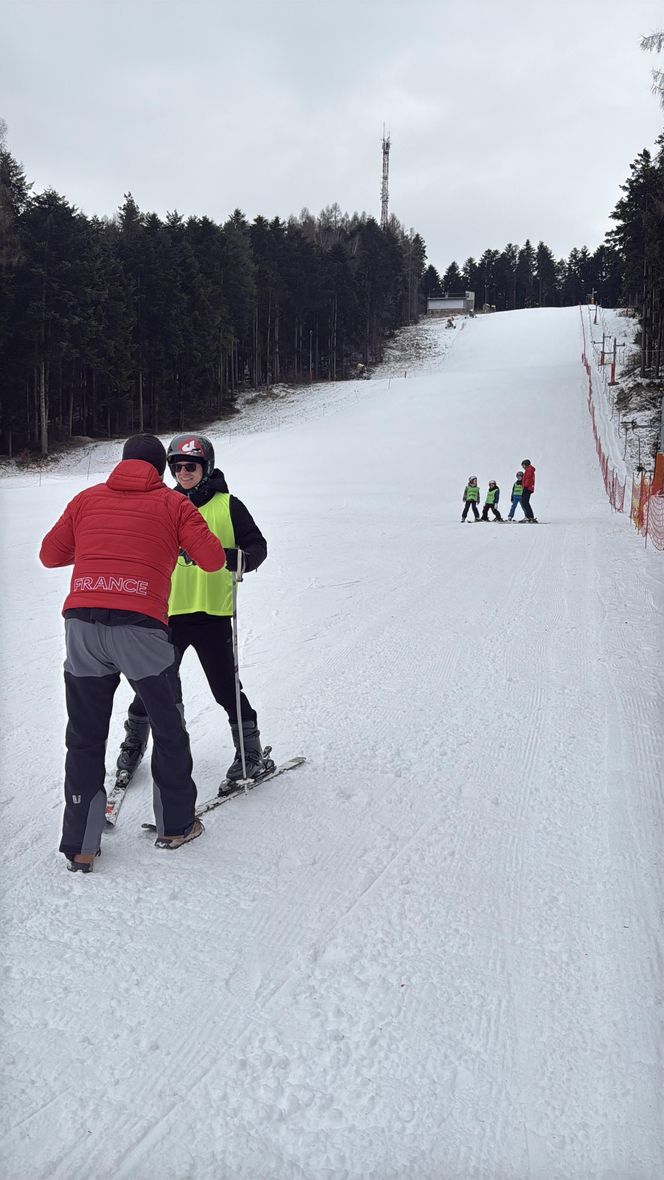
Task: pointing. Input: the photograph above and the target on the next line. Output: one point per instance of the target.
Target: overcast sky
(509, 119)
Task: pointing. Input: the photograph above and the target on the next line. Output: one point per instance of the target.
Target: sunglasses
(185, 466)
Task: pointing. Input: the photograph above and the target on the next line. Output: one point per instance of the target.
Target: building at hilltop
(451, 304)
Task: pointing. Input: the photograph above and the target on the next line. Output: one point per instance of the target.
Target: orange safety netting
(647, 499)
(655, 520)
(615, 488)
(647, 511)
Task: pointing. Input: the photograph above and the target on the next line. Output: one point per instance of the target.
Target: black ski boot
(254, 759)
(133, 747)
(82, 863)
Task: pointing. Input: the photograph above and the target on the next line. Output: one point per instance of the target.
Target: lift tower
(384, 188)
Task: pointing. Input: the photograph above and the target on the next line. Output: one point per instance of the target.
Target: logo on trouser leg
(76, 798)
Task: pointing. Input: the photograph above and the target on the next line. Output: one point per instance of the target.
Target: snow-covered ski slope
(434, 952)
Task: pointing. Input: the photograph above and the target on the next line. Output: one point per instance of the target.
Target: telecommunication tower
(384, 188)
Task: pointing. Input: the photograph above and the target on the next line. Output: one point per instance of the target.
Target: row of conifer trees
(136, 322)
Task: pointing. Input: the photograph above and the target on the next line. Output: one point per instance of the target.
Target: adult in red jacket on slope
(528, 489)
(123, 538)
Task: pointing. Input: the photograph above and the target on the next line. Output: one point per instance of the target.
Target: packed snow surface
(434, 951)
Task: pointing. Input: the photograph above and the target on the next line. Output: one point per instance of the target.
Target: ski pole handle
(240, 566)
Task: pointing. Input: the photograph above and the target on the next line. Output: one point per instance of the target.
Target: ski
(240, 789)
(115, 797)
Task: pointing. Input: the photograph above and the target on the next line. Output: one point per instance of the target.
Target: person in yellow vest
(200, 605)
(517, 489)
(471, 497)
(491, 502)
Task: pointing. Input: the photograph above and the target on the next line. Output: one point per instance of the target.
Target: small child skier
(492, 498)
(471, 496)
(517, 489)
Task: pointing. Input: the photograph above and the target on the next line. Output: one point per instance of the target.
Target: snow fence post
(613, 362)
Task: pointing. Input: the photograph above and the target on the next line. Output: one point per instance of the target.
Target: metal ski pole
(237, 577)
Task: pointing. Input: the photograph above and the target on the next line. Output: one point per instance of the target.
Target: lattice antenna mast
(384, 188)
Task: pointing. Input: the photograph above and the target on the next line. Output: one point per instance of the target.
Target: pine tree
(470, 276)
(525, 276)
(505, 277)
(131, 248)
(431, 284)
(239, 289)
(452, 280)
(486, 275)
(14, 197)
(545, 279)
(51, 282)
(639, 238)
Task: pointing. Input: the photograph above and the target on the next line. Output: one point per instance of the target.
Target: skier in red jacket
(528, 489)
(122, 538)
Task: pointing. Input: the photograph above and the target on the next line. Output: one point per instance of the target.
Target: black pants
(211, 637)
(96, 656)
(525, 504)
(490, 507)
(470, 504)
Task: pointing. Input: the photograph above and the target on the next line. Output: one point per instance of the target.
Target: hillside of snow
(434, 952)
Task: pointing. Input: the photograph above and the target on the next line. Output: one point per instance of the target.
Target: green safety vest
(472, 492)
(491, 495)
(517, 489)
(191, 588)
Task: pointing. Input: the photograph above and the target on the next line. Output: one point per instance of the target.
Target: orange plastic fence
(655, 520)
(615, 487)
(647, 498)
(647, 511)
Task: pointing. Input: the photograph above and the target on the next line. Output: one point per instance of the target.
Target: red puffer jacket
(529, 479)
(123, 537)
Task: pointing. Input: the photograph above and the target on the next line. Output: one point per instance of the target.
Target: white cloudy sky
(509, 119)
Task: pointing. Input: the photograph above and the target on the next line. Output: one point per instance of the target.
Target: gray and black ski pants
(97, 653)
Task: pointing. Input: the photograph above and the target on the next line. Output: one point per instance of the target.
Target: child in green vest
(491, 502)
(517, 489)
(471, 497)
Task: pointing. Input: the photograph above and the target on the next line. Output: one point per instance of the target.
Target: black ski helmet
(192, 446)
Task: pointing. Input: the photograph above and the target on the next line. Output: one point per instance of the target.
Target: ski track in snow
(433, 952)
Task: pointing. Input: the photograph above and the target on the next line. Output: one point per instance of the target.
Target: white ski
(240, 789)
(115, 797)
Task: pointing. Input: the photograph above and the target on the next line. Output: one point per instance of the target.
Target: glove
(185, 556)
(231, 559)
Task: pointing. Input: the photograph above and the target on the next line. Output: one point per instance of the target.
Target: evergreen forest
(110, 326)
